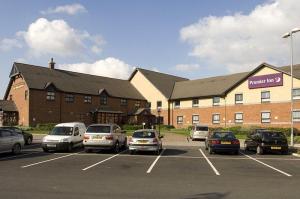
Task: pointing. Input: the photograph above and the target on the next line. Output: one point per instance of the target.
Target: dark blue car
(222, 141)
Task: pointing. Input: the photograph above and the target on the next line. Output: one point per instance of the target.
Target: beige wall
(253, 96)
(148, 90)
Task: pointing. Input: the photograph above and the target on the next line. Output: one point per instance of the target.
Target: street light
(286, 35)
(158, 112)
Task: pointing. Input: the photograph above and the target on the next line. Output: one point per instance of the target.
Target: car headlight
(64, 140)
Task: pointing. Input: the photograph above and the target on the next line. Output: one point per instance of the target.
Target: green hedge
(132, 127)
(44, 127)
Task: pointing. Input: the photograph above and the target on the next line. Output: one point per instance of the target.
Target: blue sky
(189, 38)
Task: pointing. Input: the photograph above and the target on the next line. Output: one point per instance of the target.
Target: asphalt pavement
(183, 172)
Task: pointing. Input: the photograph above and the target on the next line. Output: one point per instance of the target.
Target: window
(179, 119)
(238, 117)
(177, 104)
(69, 98)
(265, 96)
(195, 103)
(216, 118)
(239, 98)
(195, 119)
(88, 99)
(216, 101)
(26, 94)
(148, 105)
(158, 104)
(123, 102)
(137, 104)
(296, 93)
(265, 117)
(103, 99)
(50, 96)
(296, 115)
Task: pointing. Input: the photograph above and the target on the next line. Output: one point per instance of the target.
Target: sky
(188, 38)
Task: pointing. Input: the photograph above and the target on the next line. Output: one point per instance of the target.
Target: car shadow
(23, 155)
(213, 195)
(172, 152)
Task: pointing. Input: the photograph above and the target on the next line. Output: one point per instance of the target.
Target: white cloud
(71, 9)
(187, 67)
(7, 44)
(109, 67)
(240, 42)
(58, 38)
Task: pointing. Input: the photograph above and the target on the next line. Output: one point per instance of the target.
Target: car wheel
(259, 150)
(117, 147)
(29, 141)
(88, 150)
(45, 150)
(236, 152)
(246, 147)
(16, 149)
(70, 147)
(125, 144)
(210, 151)
(206, 148)
(286, 152)
(132, 152)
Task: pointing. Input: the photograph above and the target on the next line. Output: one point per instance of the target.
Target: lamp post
(158, 112)
(286, 35)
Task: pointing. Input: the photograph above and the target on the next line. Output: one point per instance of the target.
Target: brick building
(260, 97)
(49, 95)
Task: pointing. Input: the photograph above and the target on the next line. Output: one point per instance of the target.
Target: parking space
(183, 168)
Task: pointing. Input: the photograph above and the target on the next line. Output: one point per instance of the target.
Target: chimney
(51, 64)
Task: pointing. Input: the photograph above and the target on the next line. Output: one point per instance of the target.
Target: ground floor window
(238, 117)
(296, 115)
(179, 119)
(216, 118)
(195, 119)
(265, 117)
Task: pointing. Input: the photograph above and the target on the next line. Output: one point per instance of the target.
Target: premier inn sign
(264, 81)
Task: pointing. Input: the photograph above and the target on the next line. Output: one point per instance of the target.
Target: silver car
(145, 140)
(104, 136)
(11, 141)
(199, 132)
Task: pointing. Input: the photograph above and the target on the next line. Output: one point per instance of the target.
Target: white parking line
(155, 161)
(102, 161)
(282, 172)
(30, 165)
(211, 165)
(22, 155)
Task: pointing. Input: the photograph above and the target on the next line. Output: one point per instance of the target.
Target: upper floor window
(69, 98)
(265, 117)
(88, 99)
(103, 99)
(195, 102)
(239, 98)
(123, 102)
(137, 104)
(50, 96)
(159, 104)
(296, 93)
(238, 117)
(216, 118)
(177, 104)
(265, 96)
(296, 115)
(195, 119)
(216, 101)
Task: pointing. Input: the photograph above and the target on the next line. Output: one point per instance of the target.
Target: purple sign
(265, 81)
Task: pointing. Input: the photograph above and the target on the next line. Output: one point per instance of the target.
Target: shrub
(132, 127)
(45, 127)
(165, 127)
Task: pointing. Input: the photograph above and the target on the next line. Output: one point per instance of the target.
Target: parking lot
(178, 172)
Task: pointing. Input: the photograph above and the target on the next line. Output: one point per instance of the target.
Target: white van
(199, 132)
(65, 136)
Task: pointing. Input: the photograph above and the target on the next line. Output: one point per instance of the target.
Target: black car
(27, 136)
(221, 141)
(263, 141)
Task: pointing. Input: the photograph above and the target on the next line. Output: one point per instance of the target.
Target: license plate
(225, 142)
(276, 147)
(97, 137)
(51, 145)
(142, 141)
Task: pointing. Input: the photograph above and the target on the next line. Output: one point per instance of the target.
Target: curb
(296, 154)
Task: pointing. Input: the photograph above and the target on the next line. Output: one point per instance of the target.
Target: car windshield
(273, 135)
(143, 134)
(62, 130)
(201, 128)
(223, 135)
(98, 129)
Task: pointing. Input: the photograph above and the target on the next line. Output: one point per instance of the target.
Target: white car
(199, 132)
(11, 141)
(145, 140)
(65, 136)
(104, 136)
